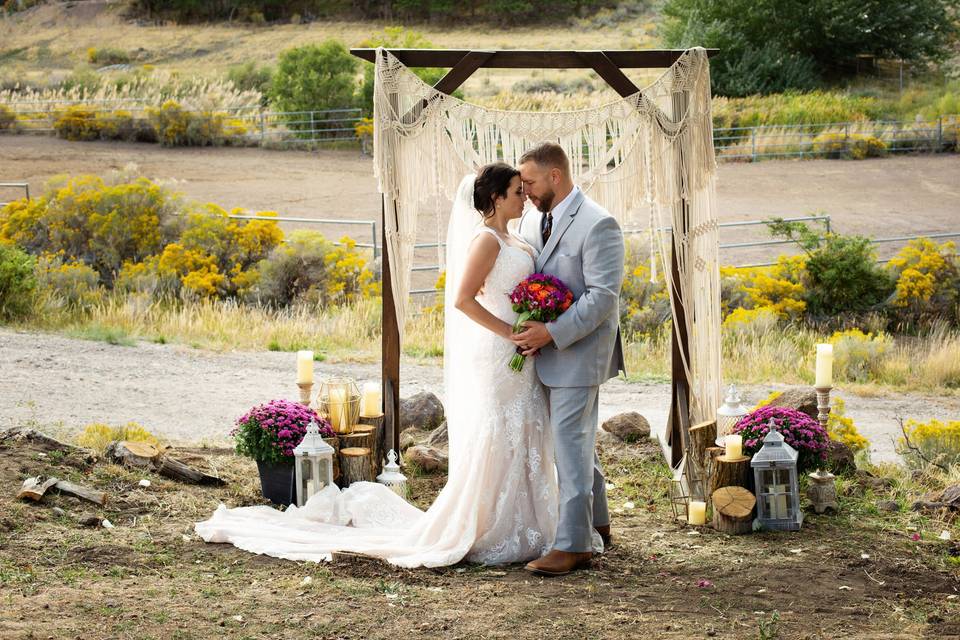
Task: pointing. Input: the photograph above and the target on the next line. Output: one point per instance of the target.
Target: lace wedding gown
(500, 502)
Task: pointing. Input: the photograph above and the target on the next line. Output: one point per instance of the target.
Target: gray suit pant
(583, 489)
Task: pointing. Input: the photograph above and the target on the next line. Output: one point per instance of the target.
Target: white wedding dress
(500, 502)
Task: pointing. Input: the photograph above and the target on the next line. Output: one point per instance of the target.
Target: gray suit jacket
(586, 252)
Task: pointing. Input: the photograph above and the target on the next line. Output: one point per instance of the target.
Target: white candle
(733, 445)
(824, 366)
(304, 367)
(311, 487)
(370, 404)
(338, 410)
(777, 504)
(697, 512)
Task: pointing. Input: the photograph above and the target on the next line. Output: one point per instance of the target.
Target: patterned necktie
(547, 227)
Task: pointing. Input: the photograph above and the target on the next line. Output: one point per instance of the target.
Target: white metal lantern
(391, 476)
(775, 479)
(730, 413)
(313, 462)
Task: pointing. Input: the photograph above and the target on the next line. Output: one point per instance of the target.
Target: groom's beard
(545, 203)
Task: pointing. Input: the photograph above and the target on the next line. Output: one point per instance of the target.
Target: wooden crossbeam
(531, 59)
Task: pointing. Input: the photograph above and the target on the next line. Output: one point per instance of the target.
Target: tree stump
(334, 442)
(356, 465)
(702, 437)
(730, 472)
(134, 454)
(378, 451)
(733, 510)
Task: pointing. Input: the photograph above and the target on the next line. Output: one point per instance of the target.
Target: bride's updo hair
(493, 180)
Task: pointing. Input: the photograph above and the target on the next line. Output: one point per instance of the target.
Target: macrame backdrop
(642, 157)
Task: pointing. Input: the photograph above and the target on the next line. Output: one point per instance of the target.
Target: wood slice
(733, 510)
(730, 472)
(356, 465)
(334, 442)
(133, 454)
(79, 491)
(374, 434)
(34, 488)
(702, 437)
(357, 439)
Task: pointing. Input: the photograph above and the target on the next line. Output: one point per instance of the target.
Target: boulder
(888, 505)
(427, 459)
(802, 399)
(439, 438)
(628, 427)
(605, 437)
(840, 459)
(423, 411)
(411, 437)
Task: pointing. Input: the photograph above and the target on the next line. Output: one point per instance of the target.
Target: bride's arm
(480, 260)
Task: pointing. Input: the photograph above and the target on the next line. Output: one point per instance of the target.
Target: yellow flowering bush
(644, 301)
(77, 122)
(8, 119)
(98, 435)
(936, 441)
(178, 127)
(770, 398)
(841, 428)
(928, 281)
(71, 283)
(855, 145)
(858, 355)
(777, 288)
(102, 225)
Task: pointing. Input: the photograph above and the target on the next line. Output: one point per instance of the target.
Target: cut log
(180, 470)
(34, 488)
(357, 439)
(702, 437)
(730, 472)
(79, 491)
(356, 465)
(733, 510)
(379, 451)
(334, 442)
(139, 455)
(712, 454)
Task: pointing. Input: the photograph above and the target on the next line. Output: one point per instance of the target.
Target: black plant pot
(277, 480)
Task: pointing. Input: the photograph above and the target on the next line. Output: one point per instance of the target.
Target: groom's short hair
(548, 154)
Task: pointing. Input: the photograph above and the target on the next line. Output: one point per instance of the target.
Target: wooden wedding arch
(609, 65)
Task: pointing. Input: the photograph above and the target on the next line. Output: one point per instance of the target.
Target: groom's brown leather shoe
(559, 563)
(604, 531)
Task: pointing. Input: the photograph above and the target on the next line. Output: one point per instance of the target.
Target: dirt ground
(901, 195)
(188, 395)
(855, 574)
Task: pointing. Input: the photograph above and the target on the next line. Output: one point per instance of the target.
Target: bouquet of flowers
(538, 297)
(799, 430)
(269, 432)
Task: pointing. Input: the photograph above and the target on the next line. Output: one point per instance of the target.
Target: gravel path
(192, 396)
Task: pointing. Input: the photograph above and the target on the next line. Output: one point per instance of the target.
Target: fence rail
(15, 185)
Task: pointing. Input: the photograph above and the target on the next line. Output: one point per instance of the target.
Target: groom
(582, 245)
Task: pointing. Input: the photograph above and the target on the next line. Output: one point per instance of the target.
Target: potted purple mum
(268, 433)
(799, 430)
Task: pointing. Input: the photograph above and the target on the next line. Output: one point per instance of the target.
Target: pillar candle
(304, 367)
(337, 406)
(777, 504)
(311, 488)
(370, 404)
(697, 512)
(824, 366)
(733, 445)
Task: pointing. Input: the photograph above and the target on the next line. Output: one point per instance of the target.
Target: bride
(500, 501)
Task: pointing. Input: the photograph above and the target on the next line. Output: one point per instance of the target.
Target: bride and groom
(524, 482)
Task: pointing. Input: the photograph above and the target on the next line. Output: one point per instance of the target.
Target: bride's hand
(534, 336)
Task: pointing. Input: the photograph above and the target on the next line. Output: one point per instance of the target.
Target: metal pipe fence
(15, 185)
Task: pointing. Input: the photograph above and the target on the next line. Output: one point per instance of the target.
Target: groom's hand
(533, 337)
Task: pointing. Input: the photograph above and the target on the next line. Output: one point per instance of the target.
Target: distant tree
(314, 77)
(771, 45)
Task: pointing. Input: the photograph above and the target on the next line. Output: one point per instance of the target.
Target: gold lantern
(339, 402)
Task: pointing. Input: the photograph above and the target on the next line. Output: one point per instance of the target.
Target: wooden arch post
(609, 65)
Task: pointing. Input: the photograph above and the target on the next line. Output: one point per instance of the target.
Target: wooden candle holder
(306, 388)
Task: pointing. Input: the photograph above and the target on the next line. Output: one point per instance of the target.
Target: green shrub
(8, 119)
(70, 284)
(314, 78)
(763, 70)
(841, 276)
(251, 77)
(858, 356)
(308, 268)
(17, 282)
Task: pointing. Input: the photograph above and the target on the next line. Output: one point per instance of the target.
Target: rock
(629, 427)
(423, 411)
(439, 438)
(888, 505)
(427, 459)
(89, 520)
(605, 437)
(951, 496)
(867, 480)
(800, 398)
(411, 437)
(57, 511)
(840, 459)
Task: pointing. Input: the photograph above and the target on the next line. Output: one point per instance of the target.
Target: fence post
(263, 127)
(313, 129)
(753, 144)
(828, 222)
(846, 137)
(939, 133)
(373, 226)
